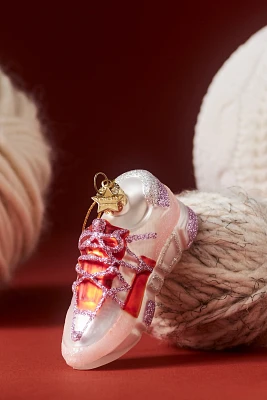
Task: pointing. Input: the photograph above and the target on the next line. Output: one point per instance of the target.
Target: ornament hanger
(109, 197)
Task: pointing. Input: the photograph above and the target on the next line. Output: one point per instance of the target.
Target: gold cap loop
(109, 197)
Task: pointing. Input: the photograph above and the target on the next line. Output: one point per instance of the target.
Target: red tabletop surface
(32, 316)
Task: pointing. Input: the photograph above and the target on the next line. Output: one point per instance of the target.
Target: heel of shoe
(181, 239)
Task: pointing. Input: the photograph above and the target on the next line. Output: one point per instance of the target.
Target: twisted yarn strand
(25, 173)
(216, 296)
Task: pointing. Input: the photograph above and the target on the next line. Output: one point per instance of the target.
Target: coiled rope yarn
(25, 172)
(216, 296)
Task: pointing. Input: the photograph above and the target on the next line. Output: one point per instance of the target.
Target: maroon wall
(120, 84)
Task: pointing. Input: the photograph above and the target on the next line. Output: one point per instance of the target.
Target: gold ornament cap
(109, 197)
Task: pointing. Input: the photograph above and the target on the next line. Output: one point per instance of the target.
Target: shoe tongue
(101, 225)
(98, 225)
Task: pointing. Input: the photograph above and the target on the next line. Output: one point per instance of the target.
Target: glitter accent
(142, 236)
(156, 283)
(98, 225)
(166, 268)
(192, 226)
(93, 238)
(149, 312)
(154, 191)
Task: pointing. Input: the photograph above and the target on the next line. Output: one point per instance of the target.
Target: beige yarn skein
(216, 296)
(230, 142)
(25, 173)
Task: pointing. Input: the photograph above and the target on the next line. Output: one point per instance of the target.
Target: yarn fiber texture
(25, 173)
(230, 143)
(216, 296)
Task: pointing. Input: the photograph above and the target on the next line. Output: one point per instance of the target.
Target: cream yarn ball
(25, 173)
(216, 296)
(230, 144)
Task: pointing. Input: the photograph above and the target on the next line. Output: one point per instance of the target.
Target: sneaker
(124, 259)
(230, 143)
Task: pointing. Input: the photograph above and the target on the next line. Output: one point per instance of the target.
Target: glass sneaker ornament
(135, 241)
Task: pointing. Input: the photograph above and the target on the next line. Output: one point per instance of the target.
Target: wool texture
(216, 296)
(230, 142)
(25, 173)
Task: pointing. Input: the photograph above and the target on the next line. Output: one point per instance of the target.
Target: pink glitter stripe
(141, 236)
(192, 226)
(149, 312)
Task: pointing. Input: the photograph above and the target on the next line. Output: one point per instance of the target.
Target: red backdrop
(120, 84)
